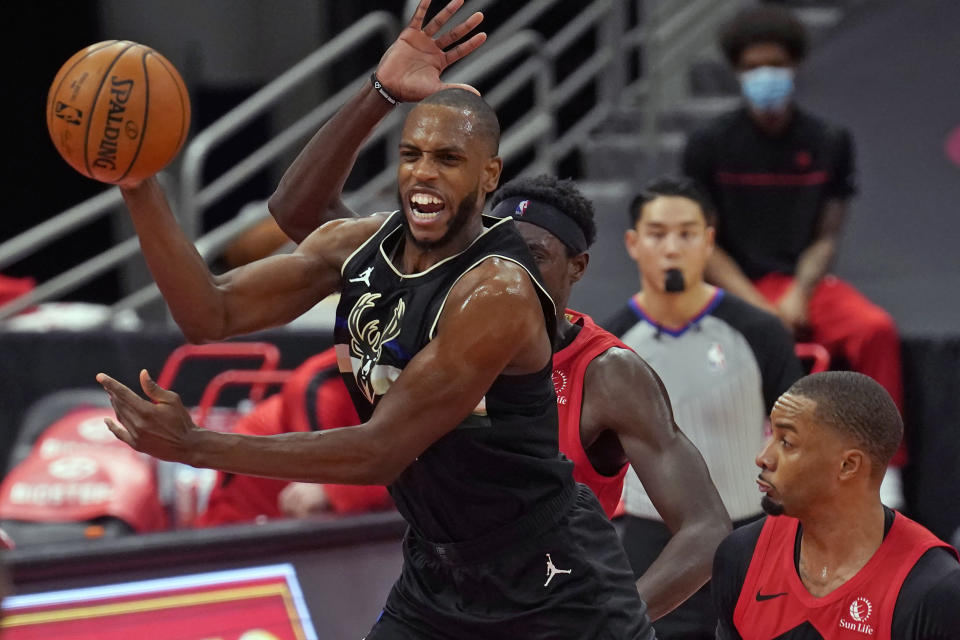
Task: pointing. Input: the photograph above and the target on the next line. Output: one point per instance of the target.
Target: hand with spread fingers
(159, 426)
(410, 69)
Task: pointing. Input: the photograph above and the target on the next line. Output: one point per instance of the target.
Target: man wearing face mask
(723, 362)
(781, 179)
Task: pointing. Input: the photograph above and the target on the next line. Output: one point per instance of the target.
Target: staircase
(602, 90)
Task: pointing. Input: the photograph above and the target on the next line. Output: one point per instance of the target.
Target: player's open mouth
(763, 486)
(425, 207)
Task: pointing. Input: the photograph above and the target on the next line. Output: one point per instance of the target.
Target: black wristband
(381, 89)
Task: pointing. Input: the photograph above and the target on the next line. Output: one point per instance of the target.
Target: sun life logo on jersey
(559, 384)
(860, 611)
(715, 358)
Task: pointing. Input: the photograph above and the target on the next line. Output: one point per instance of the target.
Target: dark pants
(583, 590)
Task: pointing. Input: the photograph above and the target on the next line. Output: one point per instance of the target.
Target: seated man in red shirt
(782, 179)
(313, 398)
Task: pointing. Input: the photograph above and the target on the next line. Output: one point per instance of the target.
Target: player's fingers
(121, 432)
(460, 30)
(118, 391)
(443, 17)
(461, 86)
(417, 20)
(154, 391)
(463, 49)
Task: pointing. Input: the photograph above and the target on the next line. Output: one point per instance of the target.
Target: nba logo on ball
(522, 207)
(69, 114)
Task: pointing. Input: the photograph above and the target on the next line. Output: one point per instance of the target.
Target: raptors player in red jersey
(831, 561)
(613, 409)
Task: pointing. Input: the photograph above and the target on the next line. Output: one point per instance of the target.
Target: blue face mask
(767, 88)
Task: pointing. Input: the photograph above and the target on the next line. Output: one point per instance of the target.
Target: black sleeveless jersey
(503, 458)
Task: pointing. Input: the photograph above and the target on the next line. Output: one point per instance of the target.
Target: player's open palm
(159, 426)
(410, 69)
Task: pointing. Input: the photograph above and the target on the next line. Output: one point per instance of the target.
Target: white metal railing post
(670, 32)
(612, 31)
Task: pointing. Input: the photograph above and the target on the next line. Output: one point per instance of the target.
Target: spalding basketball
(118, 112)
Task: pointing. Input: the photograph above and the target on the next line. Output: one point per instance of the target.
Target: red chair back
(815, 352)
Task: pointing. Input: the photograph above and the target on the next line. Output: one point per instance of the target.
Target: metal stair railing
(673, 34)
(24, 244)
(536, 128)
(194, 198)
(606, 65)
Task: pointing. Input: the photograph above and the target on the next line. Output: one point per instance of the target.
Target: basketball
(118, 112)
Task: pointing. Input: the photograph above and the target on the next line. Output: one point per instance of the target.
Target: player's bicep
(277, 289)
(669, 466)
(449, 377)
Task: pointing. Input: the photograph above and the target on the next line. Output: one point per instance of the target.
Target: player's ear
(630, 237)
(853, 463)
(709, 237)
(576, 266)
(491, 173)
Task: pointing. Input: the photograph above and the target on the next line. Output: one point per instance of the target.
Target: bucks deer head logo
(366, 341)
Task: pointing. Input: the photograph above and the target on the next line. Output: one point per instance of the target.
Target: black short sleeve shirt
(770, 191)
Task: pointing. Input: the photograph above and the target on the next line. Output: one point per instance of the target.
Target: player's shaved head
(484, 123)
(856, 406)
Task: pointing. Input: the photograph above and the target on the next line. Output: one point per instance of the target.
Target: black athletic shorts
(558, 574)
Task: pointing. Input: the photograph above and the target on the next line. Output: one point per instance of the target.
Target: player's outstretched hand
(410, 69)
(160, 428)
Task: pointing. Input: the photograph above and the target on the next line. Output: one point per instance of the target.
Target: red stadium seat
(818, 353)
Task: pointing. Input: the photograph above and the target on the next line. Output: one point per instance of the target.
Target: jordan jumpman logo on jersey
(364, 276)
(552, 570)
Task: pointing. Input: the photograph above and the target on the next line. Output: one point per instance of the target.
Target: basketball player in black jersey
(444, 337)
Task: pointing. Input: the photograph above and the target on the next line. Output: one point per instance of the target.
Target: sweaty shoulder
(617, 369)
(499, 283)
(495, 301)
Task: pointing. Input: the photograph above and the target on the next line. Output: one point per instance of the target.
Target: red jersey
(310, 400)
(773, 600)
(569, 369)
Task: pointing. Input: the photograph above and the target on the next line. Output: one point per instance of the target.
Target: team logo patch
(860, 611)
(366, 341)
(559, 385)
(715, 358)
(521, 207)
(559, 381)
(553, 571)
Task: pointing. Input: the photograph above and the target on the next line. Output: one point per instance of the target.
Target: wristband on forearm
(381, 89)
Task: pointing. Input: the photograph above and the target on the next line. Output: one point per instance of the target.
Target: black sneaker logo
(761, 597)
